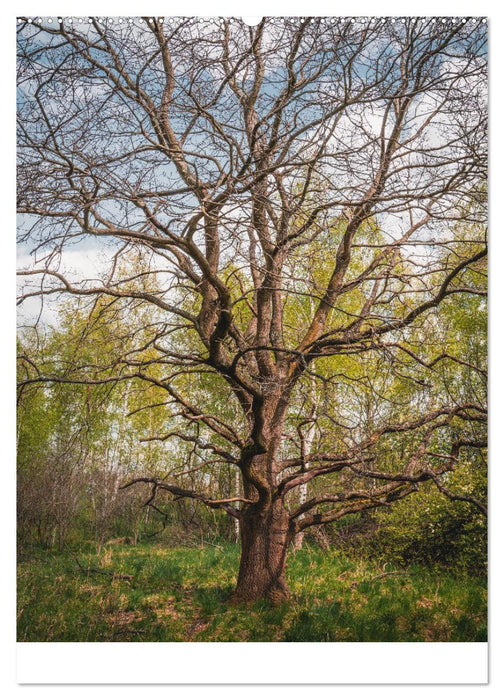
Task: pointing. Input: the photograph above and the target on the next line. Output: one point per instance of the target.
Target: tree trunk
(307, 448)
(265, 537)
(236, 522)
(299, 536)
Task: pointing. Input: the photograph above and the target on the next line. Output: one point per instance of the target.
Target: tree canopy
(292, 224)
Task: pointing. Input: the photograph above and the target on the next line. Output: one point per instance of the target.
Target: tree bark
(265, 538)
(299, 536)
(306, 449)
(236, 522)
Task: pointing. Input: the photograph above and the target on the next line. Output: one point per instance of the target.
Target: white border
(229, 662)
(256, 8)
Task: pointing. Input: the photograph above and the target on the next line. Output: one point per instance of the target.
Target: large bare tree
(296, 202)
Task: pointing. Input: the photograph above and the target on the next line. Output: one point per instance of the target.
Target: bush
(430, 528)
(425, 528)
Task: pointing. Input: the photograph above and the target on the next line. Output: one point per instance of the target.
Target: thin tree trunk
(308, 443)
(236, 522)
(297, 542)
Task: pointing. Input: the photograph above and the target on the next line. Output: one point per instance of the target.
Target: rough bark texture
(265, 537)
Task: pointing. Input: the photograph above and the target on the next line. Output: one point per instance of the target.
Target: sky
(87, 258)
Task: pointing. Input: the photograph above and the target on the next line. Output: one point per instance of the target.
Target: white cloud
(76, 265)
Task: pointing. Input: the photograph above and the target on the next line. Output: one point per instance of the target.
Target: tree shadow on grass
(212, 598)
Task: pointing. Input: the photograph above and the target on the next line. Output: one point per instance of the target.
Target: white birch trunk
(308, 442)
(236, 523)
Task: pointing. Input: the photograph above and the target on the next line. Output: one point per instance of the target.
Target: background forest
(78, 444)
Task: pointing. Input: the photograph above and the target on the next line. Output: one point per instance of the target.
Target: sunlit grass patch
(181, 594)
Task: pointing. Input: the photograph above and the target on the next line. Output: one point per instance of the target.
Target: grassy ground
(180, 595)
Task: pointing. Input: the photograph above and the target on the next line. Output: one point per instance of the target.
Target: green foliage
(180, 595)
(430, 529)
(426, 528)
(78, 442)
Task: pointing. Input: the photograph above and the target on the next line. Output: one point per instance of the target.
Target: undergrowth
(180, 594)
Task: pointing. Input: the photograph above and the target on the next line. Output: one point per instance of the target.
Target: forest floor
(180, 594)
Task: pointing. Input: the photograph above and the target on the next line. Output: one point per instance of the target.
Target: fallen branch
(113, 574)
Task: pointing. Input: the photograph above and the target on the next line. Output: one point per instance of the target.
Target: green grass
(180, 595)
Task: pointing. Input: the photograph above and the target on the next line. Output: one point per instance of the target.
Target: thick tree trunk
(265, 531)
(265, 537)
